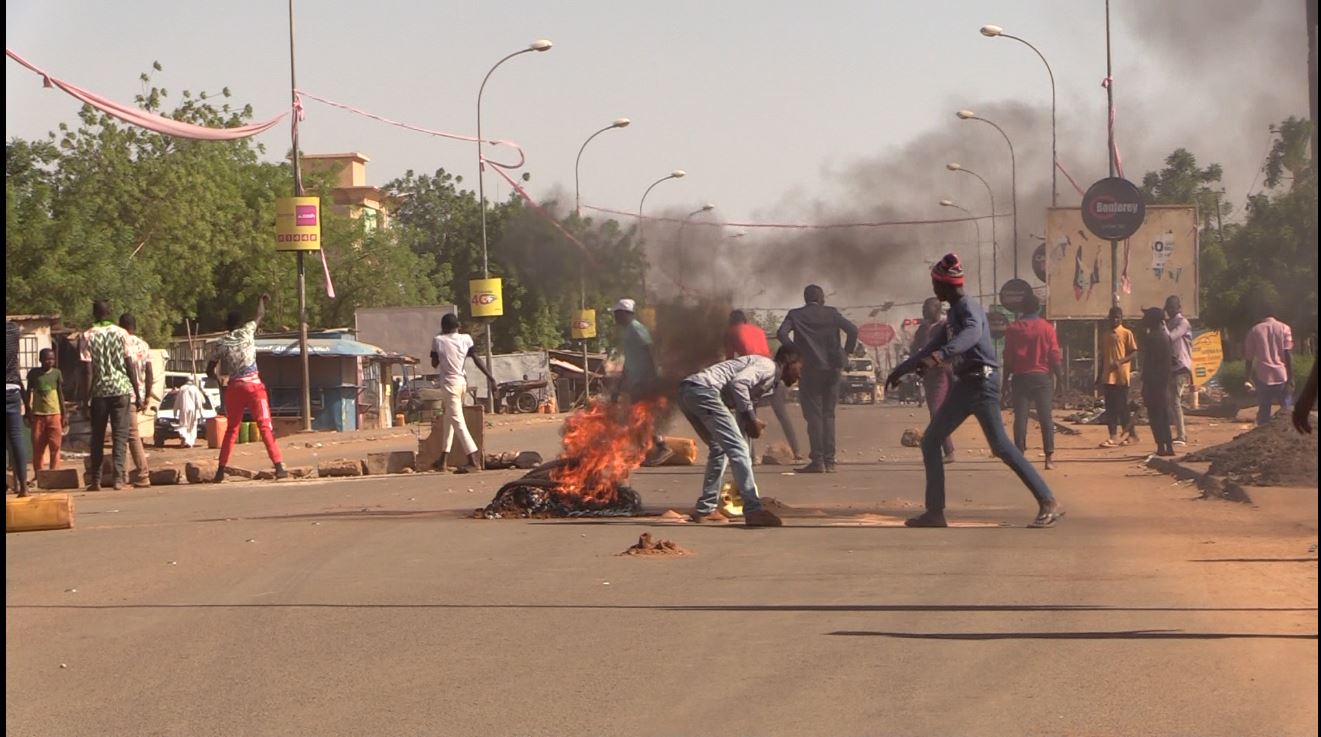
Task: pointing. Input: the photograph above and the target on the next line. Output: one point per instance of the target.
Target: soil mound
(649, 546)
(1271, 455)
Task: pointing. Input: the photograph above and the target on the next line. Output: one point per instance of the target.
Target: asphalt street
(373, 607)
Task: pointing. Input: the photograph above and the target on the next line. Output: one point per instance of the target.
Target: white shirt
(452, 348)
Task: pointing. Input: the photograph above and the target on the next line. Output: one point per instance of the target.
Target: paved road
(369, 607)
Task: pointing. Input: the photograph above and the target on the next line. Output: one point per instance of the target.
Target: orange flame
(603, 443)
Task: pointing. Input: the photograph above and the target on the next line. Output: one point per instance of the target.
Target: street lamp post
(676, 174)
(683, 254)
(991, 31)
(950, 203)
(1013, 178)
(577, 191)
(539, 45)
(995, 243)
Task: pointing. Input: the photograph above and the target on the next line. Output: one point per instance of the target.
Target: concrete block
(242, 473)
(339, 467)
(167, 476)
(200, 472)
(63, 478)
(395, 461)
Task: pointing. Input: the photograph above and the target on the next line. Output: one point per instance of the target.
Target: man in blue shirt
(965, 345)
(639, 379)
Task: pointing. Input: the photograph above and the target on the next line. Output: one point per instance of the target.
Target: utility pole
(1110, 152)
(302, 261)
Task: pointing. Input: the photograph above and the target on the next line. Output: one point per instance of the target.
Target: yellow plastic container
(731, 502)
(685, 451)
(39, 512)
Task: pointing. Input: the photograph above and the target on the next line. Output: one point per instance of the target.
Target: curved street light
(676, 174)
(1013, 177)
(538, 46)
(978, 224)
(991, 31)
(577, 192)
(995, 243)
(683, 254)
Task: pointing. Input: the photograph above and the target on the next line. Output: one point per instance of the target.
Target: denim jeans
(716, 426)
(16, 450)
(1268, 396)
(935, 384)
(818, 393)
(1033, 390)
(116, 410)
(1116, 407)
(1179, 383)
(978, 397)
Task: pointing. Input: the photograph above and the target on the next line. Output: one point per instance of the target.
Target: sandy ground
(370, 606)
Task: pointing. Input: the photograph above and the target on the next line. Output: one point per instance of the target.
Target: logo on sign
(305, 215)
(1113, 209)
(580, 324)
(484, 298)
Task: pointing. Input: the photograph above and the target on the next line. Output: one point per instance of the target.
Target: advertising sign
(1014, 293)
(486, 298)
(1208, 354)
(584, 324)
(875, 334)
(297, 224)
(1159, 260)
(1113, 209)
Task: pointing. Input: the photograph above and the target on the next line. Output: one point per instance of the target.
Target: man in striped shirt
(113, 394)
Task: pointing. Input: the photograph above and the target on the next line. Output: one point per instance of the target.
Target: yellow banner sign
(1208, 354)
(486, 298)
(584, 324)
(298, 224)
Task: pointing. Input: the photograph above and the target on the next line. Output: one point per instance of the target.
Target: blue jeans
(16, 451)
(1033, 390)
(979, 397)
(716, 426)
(1268, 396)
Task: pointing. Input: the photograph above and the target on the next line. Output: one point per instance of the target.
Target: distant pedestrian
(234, 364)
(1118, 351)
(745, 339)
(114, 396)
(46, 405)
(1032, 360)
(640, 377)
(16, 403)
(450, 351)
(1157, 367)
(965, 344)
(814, 331)
(140, 354)
(720, 403)
(935, 381)
(1267, 352)
(1181, 345)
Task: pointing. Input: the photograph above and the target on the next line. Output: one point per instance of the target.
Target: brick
(301, 472)
(340, 467)
(778, 454)
(63, 478)
(240, 472)
(200, 472)
(165, 476)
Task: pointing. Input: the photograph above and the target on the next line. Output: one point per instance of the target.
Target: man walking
(16, 403)
(965, 344)
(139, 353)
(935, 382)
(235, 355)
(1181, 346)
(745, 339)
(1032, 359)
(1157, 367)
(720, 402)
(1119, 349)
(449, 353)
(113, 390)
(1269, 368)
(45, 395)
(813, 330)
(640, 375)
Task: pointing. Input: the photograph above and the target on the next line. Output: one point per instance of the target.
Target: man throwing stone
(236, 356)
(449, 353)
(965, 344)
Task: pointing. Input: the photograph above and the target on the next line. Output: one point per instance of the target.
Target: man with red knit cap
(965, 346)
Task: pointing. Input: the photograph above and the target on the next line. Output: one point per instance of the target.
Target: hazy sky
(767, 104)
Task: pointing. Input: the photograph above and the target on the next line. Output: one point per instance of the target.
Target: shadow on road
(1100, 635)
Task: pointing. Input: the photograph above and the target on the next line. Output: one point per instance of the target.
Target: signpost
(1014, 293)
(875, 334)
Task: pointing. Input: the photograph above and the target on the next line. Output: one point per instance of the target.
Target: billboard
(406, 330)
(1159, 260)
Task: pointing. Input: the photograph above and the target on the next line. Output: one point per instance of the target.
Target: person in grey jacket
(813, 330)
(721, 402)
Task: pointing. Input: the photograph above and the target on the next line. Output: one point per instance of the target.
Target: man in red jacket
(1032, 358)
(745, 339)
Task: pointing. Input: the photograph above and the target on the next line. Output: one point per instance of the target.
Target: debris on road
(912, 438)
(541, 494)
(651, 547)
(1270, 455)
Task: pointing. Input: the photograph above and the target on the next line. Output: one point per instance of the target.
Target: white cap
(625, 305)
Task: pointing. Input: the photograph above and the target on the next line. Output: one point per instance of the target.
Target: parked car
(859, 382)
(166, 417)
(176, 379)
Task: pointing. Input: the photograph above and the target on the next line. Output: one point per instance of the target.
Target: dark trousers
(1033, 391)
(1116, 407)
(935, 384)
(978, 397)
(818, 392)
(1157, 400)
(16, 449)
(1269, 395)
(115, 410)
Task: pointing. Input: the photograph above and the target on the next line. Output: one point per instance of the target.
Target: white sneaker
(1181, 442)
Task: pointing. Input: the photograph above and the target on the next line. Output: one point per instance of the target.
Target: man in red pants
(236, 355)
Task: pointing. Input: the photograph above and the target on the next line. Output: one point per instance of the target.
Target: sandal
(1109, 444)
